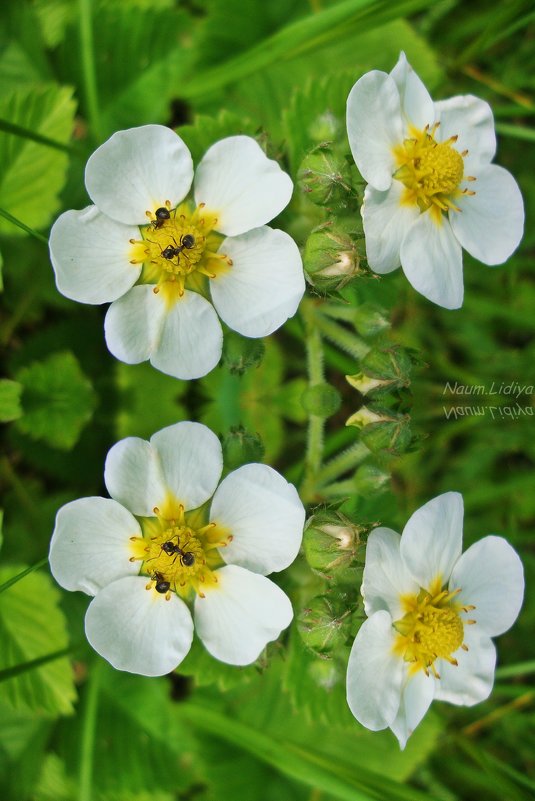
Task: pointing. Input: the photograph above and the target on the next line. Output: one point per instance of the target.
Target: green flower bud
(382, 369)
(334, 547)
(325, 177)
(322, 400)
(324, 625)
(240, 353)
(334, 253)
(240, 447)
(383, 431)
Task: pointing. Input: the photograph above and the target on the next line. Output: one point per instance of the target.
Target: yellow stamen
(431, 629)
(431, 171)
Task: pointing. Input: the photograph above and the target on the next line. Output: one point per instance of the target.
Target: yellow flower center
(431, 171)
(178, 248)
(178, 554)
(431, 629)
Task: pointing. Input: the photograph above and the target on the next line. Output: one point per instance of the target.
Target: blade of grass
(85, 20)
(33, 664)
(512, 671)
(26, 133)
(516, 131)
(14, 579)
(297, 38)
(22, 225)
(341, 780)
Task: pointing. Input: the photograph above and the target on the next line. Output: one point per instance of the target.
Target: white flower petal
(431, 259)
(237, 180)
(472, 679)
(240, 615)
(183, 339)
(432, 539)
(374, 127)
(415, 701)
(138, 170)
(386, 222)
(263, 513)
(471, 119)
(416, 103)
(133, 476)
(491, 222)
(133, 324)
(491, 577)
(386, 577)
(375, 674)
(139, 630)
(264, 285)
(90, 544)
(90, 255)
(191, 339)
(192, 459)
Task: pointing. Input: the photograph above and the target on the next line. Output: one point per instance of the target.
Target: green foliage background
(72, 729)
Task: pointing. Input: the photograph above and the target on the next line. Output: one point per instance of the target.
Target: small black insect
(162, 214)
(187, 558)
(187, 241)
(162, 586)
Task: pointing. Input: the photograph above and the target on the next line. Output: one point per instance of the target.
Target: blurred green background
(71, 728)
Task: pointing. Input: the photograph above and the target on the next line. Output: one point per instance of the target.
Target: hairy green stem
(316, 424)
(340, 464)
(88, 66)
(89, 727)
(341, 337)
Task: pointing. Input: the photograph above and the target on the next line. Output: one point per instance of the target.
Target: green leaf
(53, 783)
(308, 35)
(205, 670)
(10, 408)
(138, 747)
(57, 400)
(138, 61)
(23, 737)
(32, 626)
(149, 400)
(334, 763)
(243, 400)
(33, 174)
(233, 773)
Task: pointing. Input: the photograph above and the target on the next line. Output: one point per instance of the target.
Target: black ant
(162, 214)
(187, 558)
(162, 586)
(187, 241)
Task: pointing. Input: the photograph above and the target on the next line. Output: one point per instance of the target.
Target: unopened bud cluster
(334, 253)
(328, 178)
(334, 549)
(384, 371)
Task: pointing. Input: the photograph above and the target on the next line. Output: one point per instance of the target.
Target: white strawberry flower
(431, 615)
(150, 552)
(431, 187)
(157, 256)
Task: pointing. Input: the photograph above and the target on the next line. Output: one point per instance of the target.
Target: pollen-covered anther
(431, 630)
(431, 171)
